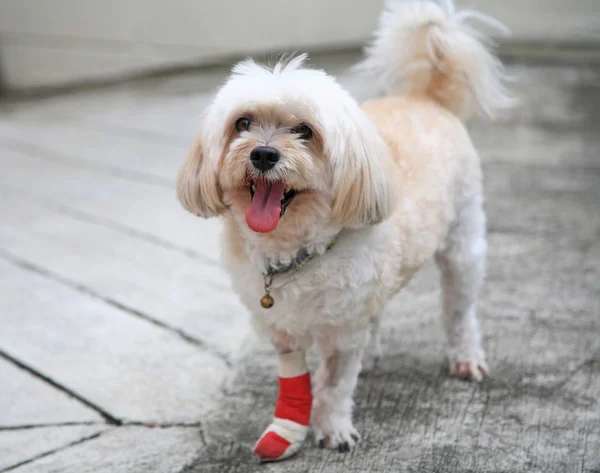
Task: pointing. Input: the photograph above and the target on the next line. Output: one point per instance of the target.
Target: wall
(53, 42)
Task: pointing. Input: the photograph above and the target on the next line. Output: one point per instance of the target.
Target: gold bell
(267, 301)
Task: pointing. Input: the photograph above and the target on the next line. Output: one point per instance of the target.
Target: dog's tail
(428, 48)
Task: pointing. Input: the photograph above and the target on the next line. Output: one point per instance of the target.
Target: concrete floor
(123, 349)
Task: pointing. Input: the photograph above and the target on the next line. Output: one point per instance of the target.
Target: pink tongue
(265, 209)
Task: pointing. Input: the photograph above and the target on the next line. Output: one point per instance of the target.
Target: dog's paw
(336, 432)
(468, 367)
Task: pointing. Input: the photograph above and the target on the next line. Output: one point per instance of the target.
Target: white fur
(462, 265)
(335, 382)
(394, 197)
(292, 364)
(418, 40)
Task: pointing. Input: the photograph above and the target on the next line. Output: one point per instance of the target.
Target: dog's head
(286, 147)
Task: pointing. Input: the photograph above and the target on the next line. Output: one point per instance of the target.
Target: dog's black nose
(264, 157)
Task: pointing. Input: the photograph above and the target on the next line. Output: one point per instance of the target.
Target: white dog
(330, 207)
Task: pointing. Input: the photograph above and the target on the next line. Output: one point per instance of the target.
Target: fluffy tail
(428, 48)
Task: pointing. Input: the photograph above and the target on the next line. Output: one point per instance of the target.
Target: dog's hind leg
(462, 265)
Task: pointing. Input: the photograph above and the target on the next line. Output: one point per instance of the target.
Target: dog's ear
(363, 190)
(197, 184)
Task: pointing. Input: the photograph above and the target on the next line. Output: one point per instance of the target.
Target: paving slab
(151, 211)
(25, 445)
(121, 99)
(127, 367)
(168, 116)
(165, 285)
(125, 450)
(147, 159)
(20, 396)
(563, 200)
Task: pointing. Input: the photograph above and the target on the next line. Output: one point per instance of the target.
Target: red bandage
(295, 399)
(271, 446)
(285, 434)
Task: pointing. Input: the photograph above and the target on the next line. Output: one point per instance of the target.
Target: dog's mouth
(268, 202)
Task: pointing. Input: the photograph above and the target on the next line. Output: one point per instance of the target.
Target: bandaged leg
(285, 435)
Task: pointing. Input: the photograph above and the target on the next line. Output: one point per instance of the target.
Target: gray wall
(53, 42)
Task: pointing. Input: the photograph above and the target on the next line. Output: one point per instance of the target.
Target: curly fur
(396, 179)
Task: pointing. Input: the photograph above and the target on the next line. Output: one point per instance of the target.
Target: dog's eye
(304, 131)
(243, 124)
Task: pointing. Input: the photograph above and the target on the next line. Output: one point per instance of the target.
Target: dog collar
(296, 264)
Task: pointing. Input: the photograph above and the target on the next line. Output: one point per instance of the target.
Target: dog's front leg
(286, 433)
(335, 380)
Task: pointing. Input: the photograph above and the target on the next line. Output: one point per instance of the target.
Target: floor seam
(124, 423)
(106, 415)
(35, 151)
(109, 224)
(130, 132)
(8, 428)
(24, 264)
(51, 452)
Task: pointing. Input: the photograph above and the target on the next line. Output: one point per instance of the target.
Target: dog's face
(274, 160)
(286, 149)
